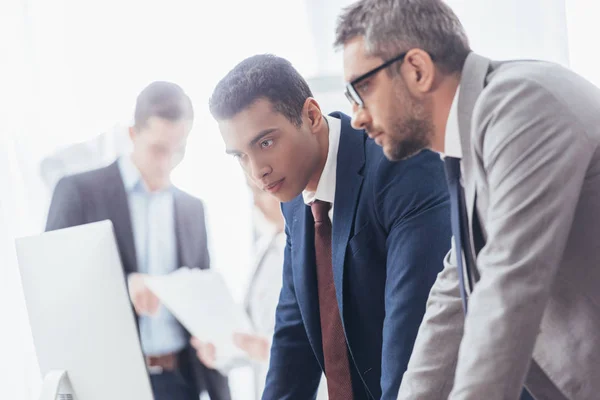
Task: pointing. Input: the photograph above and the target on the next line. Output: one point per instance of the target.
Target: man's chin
(399, 153)
(158, 184)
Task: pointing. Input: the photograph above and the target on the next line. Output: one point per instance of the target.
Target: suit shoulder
(523, 82)
(405, 188)
(188, 196)
(539, 95)
(423, 170)
(189, 199)
(87, 178)
(525, 69)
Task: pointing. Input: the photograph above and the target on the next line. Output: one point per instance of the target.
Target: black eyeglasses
(352, 93)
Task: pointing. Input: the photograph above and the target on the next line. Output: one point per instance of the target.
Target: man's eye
(266, 143)
(362, 87)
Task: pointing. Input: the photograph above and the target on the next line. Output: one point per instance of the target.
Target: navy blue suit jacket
(391, 231)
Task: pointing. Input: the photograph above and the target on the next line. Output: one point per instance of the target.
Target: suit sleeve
(414, 208)
(430, 372)
(66, 208)
(294, 372)
(535, 155)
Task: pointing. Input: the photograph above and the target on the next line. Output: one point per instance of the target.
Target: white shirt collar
(132, 177)
(130, 174)
(452, 140)
(326, 186)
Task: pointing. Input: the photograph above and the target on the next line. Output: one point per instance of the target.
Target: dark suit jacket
(99, 195)
(391, 230)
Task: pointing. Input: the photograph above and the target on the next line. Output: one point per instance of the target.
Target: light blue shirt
(153, 224)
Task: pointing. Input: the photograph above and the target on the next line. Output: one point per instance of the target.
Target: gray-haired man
(526, 211)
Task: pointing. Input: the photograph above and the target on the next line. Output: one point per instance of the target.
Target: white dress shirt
(326, 186)
(452, 140)
(153, 226)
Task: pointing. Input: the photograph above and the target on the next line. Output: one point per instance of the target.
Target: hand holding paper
(206, 352)
(257, 347)
(202, 303)
(144, 301)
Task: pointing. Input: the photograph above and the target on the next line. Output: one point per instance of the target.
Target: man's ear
(132, 133)
(313, 111)
(419, 71)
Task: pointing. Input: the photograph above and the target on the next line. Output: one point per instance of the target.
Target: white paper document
(203, 304)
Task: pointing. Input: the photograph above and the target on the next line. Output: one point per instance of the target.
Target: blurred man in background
(158, 229)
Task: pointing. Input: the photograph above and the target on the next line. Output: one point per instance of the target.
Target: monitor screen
(80, 314)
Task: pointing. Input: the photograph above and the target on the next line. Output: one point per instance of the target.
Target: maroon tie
(337, 366)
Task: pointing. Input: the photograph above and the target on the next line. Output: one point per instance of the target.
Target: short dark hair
(261, 76)
(391, 27)
(164, 100)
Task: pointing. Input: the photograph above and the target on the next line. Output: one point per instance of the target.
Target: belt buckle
(155, 369)
(152, 369)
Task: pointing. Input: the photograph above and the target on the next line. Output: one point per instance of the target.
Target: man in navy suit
(365, 237)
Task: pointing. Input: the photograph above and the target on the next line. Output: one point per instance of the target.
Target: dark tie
(335, 352)
(460, 226)
(460, 231)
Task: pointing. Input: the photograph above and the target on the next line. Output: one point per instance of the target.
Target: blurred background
(70, 71)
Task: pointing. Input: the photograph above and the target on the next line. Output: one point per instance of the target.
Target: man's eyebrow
(352, 78)
(254, 140)
(261, 135)
(360, 76)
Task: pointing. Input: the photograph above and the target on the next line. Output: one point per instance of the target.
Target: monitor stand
(56, 386)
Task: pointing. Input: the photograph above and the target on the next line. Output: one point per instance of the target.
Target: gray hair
(390, 27)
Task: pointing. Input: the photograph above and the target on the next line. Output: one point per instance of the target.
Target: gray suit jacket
(530, 135)
(99, 195)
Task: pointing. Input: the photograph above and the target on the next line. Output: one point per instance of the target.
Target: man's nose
(360, 117)
(259, 170)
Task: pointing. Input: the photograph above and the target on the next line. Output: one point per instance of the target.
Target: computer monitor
(80, 315)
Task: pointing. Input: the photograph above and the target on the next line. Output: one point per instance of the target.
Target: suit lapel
(350, 161)
(181, 234)
(121, 217)
(305, 274)
(472, 83)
